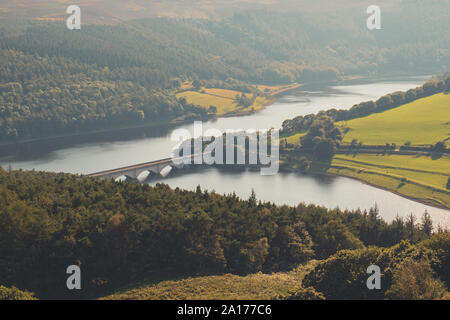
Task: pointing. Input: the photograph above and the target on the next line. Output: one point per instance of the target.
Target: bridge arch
(123, 178)
(166, 171)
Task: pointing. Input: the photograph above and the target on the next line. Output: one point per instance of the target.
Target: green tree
(440, 147)
(427, 224)
(304, 164)
(343, 275)
(410, 224)
(15, 294)
(415, 280)
(325, 150)
(291, 246)
(212, 109)
(197, 84)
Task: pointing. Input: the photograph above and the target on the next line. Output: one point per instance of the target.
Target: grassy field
(220, 287)
(421, 168)
(422, 122)
(294, 139)
(422, 177)
(222, 99)
(274, 90)
(418, 177)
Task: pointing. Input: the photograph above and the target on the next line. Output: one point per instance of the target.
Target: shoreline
(175, 122)
(168, 123)
(389, 190)
(293, 170)
(154, 124)
(316, 172)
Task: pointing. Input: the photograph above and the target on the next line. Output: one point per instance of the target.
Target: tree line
(386, 102)
(55, 81)
(120, 233)
(409, 271)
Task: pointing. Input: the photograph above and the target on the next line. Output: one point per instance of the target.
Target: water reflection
(99, 151)
(44, 149)
(294, 188)
(130, 146)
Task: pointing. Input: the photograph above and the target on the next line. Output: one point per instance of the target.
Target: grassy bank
(257, 286)
(294, 138)
(422, 177)
(421, 122)
(416, 177)
(225, 102)
(222, 99)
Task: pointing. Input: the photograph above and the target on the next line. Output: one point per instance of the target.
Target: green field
(418, 177)
(257, 286)
(294, 139)
(422, 122)
(420, 168)
(222, 99)
(422, 177)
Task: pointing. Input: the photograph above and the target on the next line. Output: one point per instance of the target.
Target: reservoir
(100, 151)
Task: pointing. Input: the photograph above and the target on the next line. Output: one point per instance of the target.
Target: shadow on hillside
(436, 156)
(321, 166)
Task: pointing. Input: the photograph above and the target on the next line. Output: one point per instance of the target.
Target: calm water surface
(292, 188)
(96, 152)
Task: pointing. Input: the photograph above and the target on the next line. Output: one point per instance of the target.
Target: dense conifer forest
(124, 232)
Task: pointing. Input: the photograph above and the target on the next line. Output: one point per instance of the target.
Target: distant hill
(113, 11)
(123, 69)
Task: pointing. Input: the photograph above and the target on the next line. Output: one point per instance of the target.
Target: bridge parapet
(135, 170)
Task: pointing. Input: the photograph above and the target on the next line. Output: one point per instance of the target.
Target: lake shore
(170, 122)
(418, 191)
(385, 188)
(96, 152)
(291, 170)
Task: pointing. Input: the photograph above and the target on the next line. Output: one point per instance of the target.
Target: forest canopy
(57, 81)
(125, 232)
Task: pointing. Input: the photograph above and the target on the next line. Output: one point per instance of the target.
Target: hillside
(224, 102)
(410, 271)
(397, 143)
(121, 233)
(115, 11)
(258, 286)
(422, 122)
(116, 73)
(422, 176)
(404, 175)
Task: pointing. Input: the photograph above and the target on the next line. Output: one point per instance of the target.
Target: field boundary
(394, 176)
(391, 167)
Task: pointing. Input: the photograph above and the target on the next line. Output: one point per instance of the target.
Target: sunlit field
(422, 122)
(224, 100)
